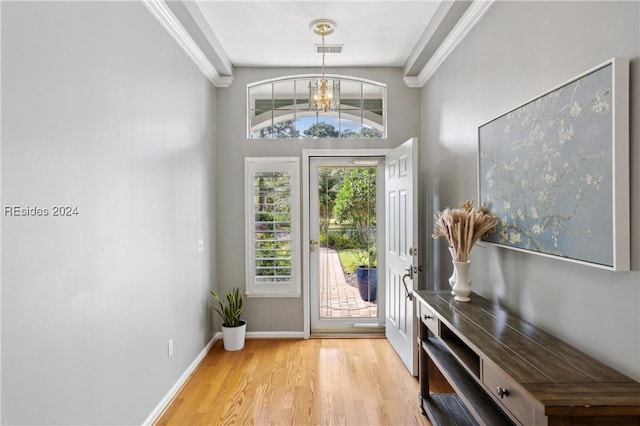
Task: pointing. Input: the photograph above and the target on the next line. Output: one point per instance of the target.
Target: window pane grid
(287, 116)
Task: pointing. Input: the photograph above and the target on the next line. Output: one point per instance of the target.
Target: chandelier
(324, 93)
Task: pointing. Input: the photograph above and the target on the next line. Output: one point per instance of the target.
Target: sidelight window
(272, 226)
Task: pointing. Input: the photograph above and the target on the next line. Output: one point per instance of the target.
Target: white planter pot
(233, 337)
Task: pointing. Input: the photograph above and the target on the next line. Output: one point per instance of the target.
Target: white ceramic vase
(452, 278)
(462, 287)
(233, 337)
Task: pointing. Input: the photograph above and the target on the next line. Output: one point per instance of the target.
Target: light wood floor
(299, 382)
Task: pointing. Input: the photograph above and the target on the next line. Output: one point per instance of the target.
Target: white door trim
(306, 156)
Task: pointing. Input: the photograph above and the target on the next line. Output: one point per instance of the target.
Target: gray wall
(517, 51)
(103, 111)
(403, 122)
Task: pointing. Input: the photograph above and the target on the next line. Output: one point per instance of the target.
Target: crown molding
(224, 81)
(470, 19)
(166, 18)
(224, 67)
(413, 82)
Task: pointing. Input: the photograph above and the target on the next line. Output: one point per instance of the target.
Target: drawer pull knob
(427, 317)
(502, 392)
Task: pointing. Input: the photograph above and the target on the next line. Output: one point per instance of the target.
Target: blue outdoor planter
(367, 280)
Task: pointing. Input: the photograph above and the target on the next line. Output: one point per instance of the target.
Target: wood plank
(593, 421)
(484, 343)
(446, 410)
(437, 382)
(531, 353)
(591, 367)
(478, 403)
(597, 370)
(539, 357)
(575, 399)
(466, 355)
(296, 382)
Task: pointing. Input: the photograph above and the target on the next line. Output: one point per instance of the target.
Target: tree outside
(355, 203)
(283, 130)
(329, 182)
(287, 129)
(328, 130)
(321, 130)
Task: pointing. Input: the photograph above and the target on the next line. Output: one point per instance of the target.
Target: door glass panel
(348, 242)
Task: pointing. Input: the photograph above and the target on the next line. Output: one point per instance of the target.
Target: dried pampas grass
(462, 227)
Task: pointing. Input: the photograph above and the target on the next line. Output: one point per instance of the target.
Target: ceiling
(222, 34)
(277, 33)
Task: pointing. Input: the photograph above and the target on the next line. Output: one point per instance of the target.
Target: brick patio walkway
(337, 298)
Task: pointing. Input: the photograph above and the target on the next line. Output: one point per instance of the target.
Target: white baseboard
(275, 334)
(268, 335)
(164, 403)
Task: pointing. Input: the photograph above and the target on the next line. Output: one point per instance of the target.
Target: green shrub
(341, 242)
(348, 260)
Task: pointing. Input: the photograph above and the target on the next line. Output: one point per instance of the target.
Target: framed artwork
(555, 171)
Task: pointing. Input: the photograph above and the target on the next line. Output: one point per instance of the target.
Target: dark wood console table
(479, 364)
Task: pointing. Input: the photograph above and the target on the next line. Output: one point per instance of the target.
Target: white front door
(401, 250)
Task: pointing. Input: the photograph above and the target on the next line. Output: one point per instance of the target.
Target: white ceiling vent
(329, 48)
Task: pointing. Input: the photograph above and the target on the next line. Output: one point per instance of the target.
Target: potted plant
(233, 328)
(367, 274)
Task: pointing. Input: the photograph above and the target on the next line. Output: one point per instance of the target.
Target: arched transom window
(280, 109)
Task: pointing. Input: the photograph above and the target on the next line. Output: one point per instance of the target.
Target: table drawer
(429, 319)
(511, 396)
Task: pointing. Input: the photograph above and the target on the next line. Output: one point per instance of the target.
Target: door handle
(313, 245)
(409, 274)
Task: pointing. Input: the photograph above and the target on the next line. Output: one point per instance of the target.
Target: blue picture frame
(555, 171)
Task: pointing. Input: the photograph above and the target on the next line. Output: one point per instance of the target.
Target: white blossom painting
(546, 172)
